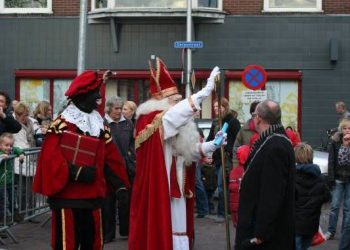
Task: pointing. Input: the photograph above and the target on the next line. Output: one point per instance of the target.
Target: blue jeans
(341, 192)
(302, 242)
(221, 209)
(201, 195)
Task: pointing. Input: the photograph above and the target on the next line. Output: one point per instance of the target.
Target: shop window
(60, 86)
(285, 92)
(26, 6)
(293, 5)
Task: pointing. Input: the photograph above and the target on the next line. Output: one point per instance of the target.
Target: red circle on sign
(254, 77)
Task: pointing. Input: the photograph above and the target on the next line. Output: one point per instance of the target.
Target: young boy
(6, 172)
(311, 192)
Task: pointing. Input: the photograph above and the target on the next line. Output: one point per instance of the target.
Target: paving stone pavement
(209, 236)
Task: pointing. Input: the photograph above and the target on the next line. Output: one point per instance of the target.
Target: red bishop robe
(150, 215)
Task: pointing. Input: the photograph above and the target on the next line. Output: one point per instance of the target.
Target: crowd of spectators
(21, 129)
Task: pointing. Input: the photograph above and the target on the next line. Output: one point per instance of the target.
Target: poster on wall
(33, 91)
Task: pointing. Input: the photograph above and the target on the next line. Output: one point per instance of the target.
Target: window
(26, 6)
(60, 87)
(293, 5)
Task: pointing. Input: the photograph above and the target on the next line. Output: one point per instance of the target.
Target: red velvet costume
(150, 226)
(75, 192)
(155, 186)
(161, 215)
(52, 174)
(150, 204)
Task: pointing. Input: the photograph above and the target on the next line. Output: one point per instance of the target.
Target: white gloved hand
(209, 87)
(210, 146)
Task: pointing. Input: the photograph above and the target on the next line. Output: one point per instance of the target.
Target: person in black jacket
(7, 121)
(232, 130)
(122, 131)
(267, 202)
(311, 191)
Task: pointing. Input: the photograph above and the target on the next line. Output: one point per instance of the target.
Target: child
(236, 175)
(311, 192)
(6, 171)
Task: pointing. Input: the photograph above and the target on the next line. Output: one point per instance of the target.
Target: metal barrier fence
(17, 201)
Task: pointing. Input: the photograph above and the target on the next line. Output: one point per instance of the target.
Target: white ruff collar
(86, 122)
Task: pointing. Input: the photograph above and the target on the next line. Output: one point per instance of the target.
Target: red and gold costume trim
(57, 126)
(165, 93)
(149, 130)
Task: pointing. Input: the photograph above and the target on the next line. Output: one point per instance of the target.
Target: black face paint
(87, 102)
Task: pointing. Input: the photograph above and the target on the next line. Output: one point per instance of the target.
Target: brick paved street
(209, 236)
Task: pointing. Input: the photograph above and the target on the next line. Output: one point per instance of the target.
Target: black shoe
(106, 241)
(200, 216)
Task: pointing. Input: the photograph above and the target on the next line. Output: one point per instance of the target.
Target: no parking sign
(254, 77)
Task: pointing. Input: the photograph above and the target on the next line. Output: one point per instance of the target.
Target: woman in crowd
(42, 119)
(339, 180)
(233, 128)
(129, 109)
(24, 171)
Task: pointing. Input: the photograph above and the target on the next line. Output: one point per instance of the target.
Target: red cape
(150, 215)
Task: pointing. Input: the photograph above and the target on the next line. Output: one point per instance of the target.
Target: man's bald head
(269, 111)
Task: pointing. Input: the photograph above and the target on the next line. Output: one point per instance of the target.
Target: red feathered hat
(83, 83)
(161, 83)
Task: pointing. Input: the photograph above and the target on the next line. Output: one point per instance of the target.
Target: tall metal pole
(82, 36)
(220, 82)
(189, 51)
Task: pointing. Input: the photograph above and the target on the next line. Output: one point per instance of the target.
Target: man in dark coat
(266, 209)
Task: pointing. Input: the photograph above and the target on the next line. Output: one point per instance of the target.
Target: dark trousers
(109, 222)
(74, 229)
(122, 198)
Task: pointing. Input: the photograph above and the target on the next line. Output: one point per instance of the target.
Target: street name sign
(188, 45)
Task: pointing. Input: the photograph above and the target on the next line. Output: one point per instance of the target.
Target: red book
(79, 149)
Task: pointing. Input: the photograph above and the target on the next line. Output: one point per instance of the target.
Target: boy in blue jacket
(311, 192)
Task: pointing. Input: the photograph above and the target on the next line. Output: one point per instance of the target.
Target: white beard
(186, 143)
(152, 105)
